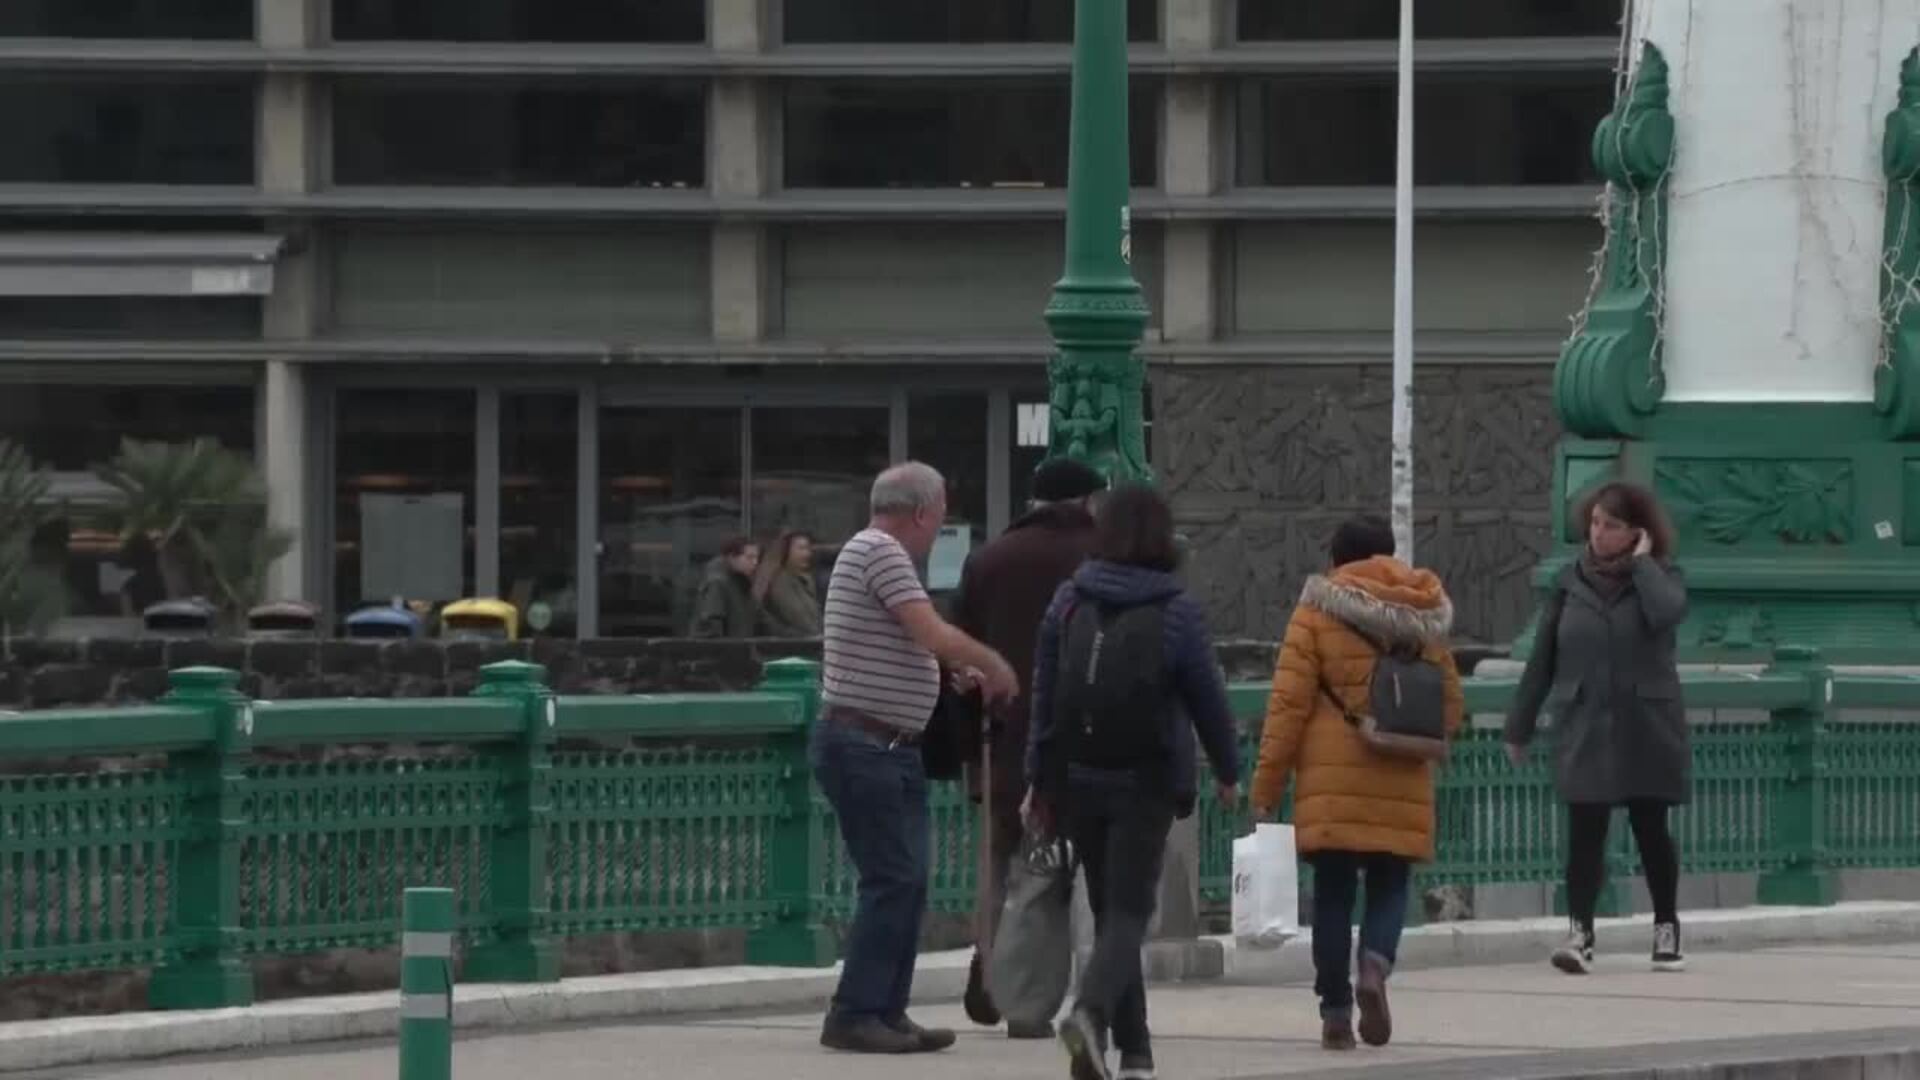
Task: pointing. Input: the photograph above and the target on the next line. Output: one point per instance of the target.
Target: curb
(479, 1008)
(1522, 941)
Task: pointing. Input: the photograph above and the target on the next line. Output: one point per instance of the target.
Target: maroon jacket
(1004, 592)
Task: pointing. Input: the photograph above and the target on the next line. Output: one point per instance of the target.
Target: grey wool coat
(1604, 677)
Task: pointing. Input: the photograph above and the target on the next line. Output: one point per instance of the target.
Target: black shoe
(932, 1040)
(1136, 1067)
(1576, 956)
(867, 1035)
(1666, 948)
(1021, 1032)
(979, 1003)
(1086, 1047)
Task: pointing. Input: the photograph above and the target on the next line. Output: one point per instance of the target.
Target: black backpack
(1110, 689)
(1407, 703)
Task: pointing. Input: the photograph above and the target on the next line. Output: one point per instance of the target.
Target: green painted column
(1098, 314)
(426, 984)
(205, 968)
(522, 949)
(796, 852)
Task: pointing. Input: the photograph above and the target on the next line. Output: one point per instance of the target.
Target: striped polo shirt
(870, 664)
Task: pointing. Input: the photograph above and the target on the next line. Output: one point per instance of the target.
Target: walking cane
(983, 890)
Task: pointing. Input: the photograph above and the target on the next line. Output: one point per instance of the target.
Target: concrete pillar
(291, 159)
(1777, 193)
(740, 166)
(1189, 166)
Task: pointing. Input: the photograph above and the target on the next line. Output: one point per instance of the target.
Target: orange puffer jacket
(1348, 797)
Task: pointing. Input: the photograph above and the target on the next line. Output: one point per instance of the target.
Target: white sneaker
(1666, 948)
(1576, 956)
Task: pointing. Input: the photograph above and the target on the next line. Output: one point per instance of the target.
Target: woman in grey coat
(1603, 673)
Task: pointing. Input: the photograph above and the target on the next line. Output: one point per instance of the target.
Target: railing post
(426, 984)
(206, 969)
(1797, 831)
(521, 949)
(795, 851)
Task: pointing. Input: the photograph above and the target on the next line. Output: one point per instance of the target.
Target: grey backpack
(1407, 704)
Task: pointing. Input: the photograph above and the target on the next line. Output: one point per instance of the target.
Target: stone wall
(44, 674)
(1263, 462)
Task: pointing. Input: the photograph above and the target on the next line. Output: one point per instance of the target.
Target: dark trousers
(1337, 878)
(879, 795)
(1587, 857)
(1121, 840)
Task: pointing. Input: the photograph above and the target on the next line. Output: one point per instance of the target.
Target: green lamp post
(1098, 313)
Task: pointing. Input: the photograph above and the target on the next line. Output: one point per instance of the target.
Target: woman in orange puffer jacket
(1356, 812)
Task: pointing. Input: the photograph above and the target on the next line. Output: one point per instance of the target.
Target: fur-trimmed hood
(1385, 599)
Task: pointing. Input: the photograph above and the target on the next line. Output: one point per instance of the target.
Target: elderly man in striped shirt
(880, 681)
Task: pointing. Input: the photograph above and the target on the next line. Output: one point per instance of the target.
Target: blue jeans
(879, 794)
(1336, 881)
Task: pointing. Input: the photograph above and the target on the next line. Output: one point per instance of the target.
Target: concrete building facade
(595, 285)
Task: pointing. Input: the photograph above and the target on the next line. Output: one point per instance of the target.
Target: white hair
(906, 488)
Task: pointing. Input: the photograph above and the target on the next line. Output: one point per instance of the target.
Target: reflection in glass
(202, 19)
(602, 134)
(398, 442)
(539, 511)
(122, 317)
(72, 428)
(588, 21)
(1331, 20)
(127, 129)
(847, 134)
(829, 22)
(669, 501)
(813, 470)
(949, 432)
(1514, 128)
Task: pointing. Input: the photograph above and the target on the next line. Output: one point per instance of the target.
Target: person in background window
(784, 588)
(726, 608)
(144, 586)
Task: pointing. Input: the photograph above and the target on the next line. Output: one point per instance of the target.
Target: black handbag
(952, 736)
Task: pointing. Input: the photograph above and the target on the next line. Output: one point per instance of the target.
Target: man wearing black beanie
(1004, 591)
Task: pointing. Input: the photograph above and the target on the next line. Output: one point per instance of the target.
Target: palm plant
(203, 507)
(31, 595)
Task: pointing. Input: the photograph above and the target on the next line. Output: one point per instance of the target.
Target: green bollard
(426, 985)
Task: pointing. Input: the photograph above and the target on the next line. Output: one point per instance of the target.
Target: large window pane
(402, 457)
(539, 509)
(120, 317)
(813, 22)
(1326, 20)
(1518, 128)
(127, 18)
(63, 129)
(813, 469)
(930, 135)
(629, 134)
(71, 429)
(520, 20)
(669, 501)
(949, 432)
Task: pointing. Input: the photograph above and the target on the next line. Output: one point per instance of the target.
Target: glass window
(630, 134)
(669, 500)
(74, 428)
(589, 21)
(539, 510)
(70, 430)
(66, 129)
(822, 22)
(402, 460)
(949, 432)
(813, 470)
(221, 19)
(112, 317)
(1330, 20)
(1516, 128)
(931, 135)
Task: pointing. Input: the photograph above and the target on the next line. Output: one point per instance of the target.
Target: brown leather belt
(879, 729)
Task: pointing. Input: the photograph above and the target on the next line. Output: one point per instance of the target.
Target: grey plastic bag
(1032, 962)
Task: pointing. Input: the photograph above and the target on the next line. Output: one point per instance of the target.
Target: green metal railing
(194, 835)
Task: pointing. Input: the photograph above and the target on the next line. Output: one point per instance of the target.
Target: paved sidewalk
(1811, 1001)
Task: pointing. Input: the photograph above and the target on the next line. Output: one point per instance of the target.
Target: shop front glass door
(670, 499)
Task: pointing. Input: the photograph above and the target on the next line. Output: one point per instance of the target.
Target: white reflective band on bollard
(434, 943)
(425, 1006)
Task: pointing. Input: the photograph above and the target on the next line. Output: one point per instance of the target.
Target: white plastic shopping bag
(1266, 888)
